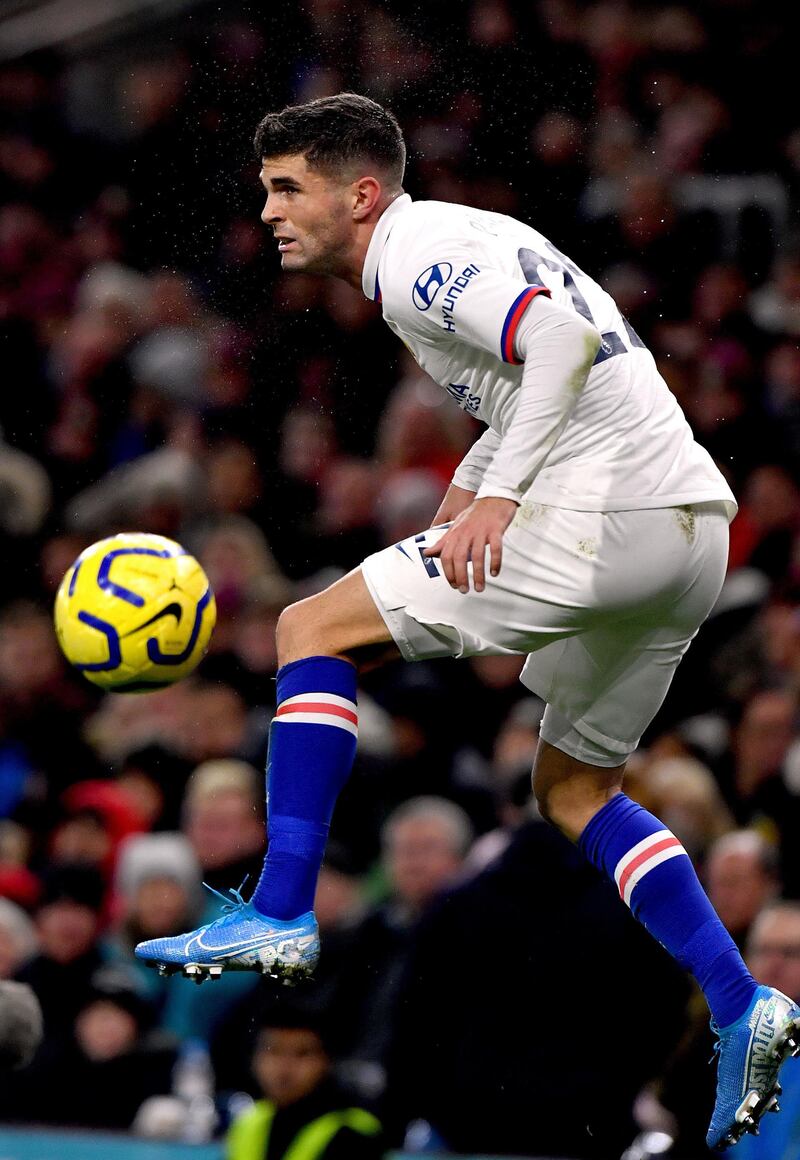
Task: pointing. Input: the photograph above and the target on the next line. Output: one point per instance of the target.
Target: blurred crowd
(159, 374)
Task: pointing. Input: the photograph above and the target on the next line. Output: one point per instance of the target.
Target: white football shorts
(605, 604)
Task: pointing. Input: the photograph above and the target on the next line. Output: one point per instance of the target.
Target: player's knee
(292, 630)
(562, 804)
(568, 792)
(543, 795)
(306, 628)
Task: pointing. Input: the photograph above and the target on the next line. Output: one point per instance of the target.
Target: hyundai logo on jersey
(429, 283)
(458, 287)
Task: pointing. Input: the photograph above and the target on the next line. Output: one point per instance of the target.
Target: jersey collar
(369, 275)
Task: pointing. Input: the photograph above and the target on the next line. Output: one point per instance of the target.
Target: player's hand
(456, 500)
(478, 527)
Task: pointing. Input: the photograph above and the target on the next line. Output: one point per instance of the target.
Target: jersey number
(611, 343)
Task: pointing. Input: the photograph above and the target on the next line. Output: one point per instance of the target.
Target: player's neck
(353, 268)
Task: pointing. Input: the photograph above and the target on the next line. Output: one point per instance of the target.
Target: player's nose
(270, 215)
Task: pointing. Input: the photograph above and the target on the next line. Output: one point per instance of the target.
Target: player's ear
(367, 193)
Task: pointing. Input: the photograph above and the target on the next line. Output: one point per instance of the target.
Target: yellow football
(134, 613)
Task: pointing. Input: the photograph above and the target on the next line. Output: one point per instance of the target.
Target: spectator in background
(339, 901)
(768, 521)
(252, 660)
(490, 1077)
(741, 877)
(753, 781)
(760, 742)
(219, 725)
(719, 304)
(157, 887)
(159, 490)
(123, 726)
(68, 925)
(766, 652)
(40, 705)
(424, 844)
(510, 775)
(57, 555)
(25, 497)
(237, 559)
(419, 431)
(683, 794)
(782, 374)
(97, 817)
(100, 1075)
(235, 486)
(153, 779)
(773, 947)
(308, 446)
(223, 820)
(345, 519)
(302, 1107)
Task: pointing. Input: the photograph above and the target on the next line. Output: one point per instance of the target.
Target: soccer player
(585, 528)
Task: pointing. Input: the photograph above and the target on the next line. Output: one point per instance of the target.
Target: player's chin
(293, 260)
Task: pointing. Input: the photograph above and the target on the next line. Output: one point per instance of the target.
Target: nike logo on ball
(168, 610)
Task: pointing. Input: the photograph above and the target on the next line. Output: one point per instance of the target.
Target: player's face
(310, 214)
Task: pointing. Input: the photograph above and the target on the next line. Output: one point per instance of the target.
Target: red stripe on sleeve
(514, 321)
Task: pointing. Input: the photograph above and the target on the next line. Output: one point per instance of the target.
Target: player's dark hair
(336, 133)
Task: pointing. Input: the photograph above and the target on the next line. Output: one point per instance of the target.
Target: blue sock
(312, 744)
(656, 879)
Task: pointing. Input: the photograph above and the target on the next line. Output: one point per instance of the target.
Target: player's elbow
(588, 340)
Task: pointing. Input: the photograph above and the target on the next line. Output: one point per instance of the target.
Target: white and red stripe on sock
(319, 709)
(642, 858)
(627, 843)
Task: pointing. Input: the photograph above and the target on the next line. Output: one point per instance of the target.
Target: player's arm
(468, 477)
(470, 472)
(456, 500)
(557, 348)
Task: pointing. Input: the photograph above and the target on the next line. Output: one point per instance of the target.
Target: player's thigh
(343, 620)
(542, 592)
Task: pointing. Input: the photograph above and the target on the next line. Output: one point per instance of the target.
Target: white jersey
(454, 284)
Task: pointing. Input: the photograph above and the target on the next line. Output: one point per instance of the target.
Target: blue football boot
(751, 1052)
(241, 939)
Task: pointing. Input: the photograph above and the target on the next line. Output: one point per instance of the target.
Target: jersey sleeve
(462, 297)
(559, 348)
(472, 468)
